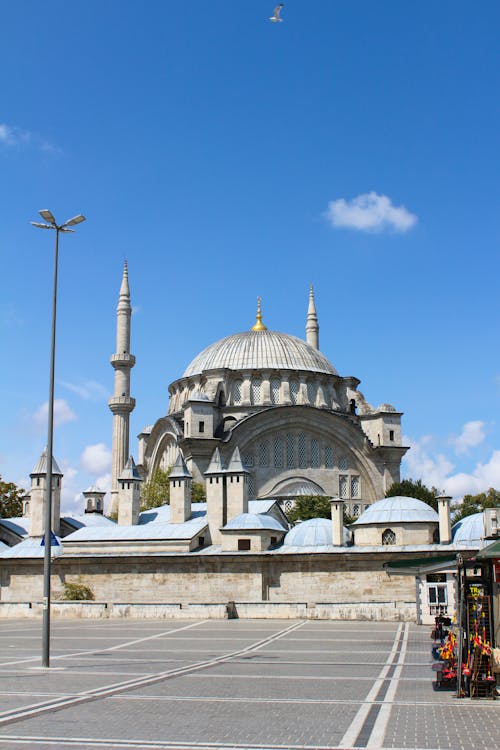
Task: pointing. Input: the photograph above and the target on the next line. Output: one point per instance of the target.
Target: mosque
(261, 418)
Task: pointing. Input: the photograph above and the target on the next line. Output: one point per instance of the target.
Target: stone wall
(326, 578)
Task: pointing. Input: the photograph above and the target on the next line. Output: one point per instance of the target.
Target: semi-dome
(315, 532)
(260, 350)
(469, 531)
(396, 510)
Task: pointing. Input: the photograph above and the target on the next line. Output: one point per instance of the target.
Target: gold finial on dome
(259, 325)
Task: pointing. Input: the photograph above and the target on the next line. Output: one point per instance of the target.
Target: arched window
(256, 388)
(275, 390)
(302, 451)
(355, 510)
(294, 391)
(264, 453)
(278, 452)
(343, 487)
(328, 457)
(355, 485)
(290, 451)
(311, 393)
(237, 392)
(315, 453)
(248, 460)
(388, 537)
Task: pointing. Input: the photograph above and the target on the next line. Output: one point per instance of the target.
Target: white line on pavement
(378, 731)
(355, 727)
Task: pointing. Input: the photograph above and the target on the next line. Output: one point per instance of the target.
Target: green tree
(414, 488)
(156, 491)
(198, 494)
(314, 506)
(476, 503)
(11, 505)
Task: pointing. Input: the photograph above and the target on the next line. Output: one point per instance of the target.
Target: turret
(312, 325)
(129, 497)
(236, 486)
(94, 500)
(121, 404)
(180, 491)
(37, 496)
(216, 496)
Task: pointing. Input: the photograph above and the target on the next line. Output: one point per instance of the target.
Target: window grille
(343, 487)
(328, 457)
(237, 392)
(251, 486)
(311, 393)
(302, 451)
(278, 453)
(248, 460)
(355, 510)
(290, 451)
(275, 390)
(315, 461)
(388, 537)
(264, 453)
(294, 391)
(354, 486)
(256, 386)
(343, 463)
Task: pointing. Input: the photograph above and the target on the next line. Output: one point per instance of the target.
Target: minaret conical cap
(129, 471)
(179, 469)
(236, 465)
(40, 467)
(216, 465)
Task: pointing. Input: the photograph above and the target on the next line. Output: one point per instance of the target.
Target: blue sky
(354, 145)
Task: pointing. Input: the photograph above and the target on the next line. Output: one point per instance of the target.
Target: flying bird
(275, 18)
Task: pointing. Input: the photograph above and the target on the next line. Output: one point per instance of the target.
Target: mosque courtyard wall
(347, 585)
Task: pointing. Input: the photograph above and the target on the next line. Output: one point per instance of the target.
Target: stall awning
(492, 550)
(416, 566)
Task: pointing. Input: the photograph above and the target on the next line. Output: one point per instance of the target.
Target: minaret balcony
(122, 360)
(121, 404)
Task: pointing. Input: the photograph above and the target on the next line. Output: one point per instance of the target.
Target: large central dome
(260, 350)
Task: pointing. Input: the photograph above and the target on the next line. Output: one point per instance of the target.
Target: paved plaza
(231, 684)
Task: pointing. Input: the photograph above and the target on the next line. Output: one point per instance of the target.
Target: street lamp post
(50, 224)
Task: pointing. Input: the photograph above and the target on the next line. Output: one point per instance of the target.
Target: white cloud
(435, 470)
(96, 459)
(370, 212)
(11, 137)
(89, 390)
(420, 464)
(62, 413)
(472, 434)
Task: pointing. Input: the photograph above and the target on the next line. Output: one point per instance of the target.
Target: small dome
(253, 521)
(397, 509)
(469, 531)
(315, 532)
(260, 350)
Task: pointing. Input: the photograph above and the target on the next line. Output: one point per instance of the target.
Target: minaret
(312, 325)
(121, 404)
